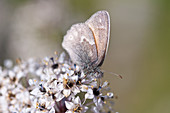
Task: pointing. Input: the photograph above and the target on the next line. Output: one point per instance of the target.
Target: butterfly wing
(80, 45)
(99, 23)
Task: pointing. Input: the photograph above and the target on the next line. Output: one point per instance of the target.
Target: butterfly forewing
(99, 23)
(86, 43)
(80, 45)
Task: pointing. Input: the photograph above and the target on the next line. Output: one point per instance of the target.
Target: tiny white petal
(65, 76)
(84, 81)
(74, 78)
(35, 91)
(82, 75)
(77, 100)
(94, 84)
(89, 96)
(71, 72)
(105, 84)
(95, 110)
(52, 110)
(90, 91)
(95, 101)
(69, 105)
(20, 74)
(66, 92)
(110, 95)
(31, 82)
(11, 74)
(100, 103)
(0, 69)
(8, 63)
(84, 109)
(60, 86)
(75, 90)
(61, 57)
(83, 88)
(68, 111)
(59, 96)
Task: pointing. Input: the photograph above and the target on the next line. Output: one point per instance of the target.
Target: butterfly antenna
(118, 75)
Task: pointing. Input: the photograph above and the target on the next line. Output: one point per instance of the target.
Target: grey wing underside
(99, 23)
(80, 45)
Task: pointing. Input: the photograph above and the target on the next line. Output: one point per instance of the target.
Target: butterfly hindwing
(80, 45)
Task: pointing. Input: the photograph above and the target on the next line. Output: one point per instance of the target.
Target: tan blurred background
(139, 44)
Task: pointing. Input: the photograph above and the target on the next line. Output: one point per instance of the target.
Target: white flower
(75, 106)
(89, 94)
(96, 93)
(51, 87)
(67, 86)
(8, 63)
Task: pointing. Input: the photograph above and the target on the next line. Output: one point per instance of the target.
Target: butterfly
(87, 43)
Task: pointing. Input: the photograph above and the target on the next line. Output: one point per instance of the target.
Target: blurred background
(139, 47)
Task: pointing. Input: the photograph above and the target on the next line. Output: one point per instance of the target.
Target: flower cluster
(52, 85)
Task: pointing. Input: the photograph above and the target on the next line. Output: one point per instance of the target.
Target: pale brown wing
(80, 45)
(99, 23)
